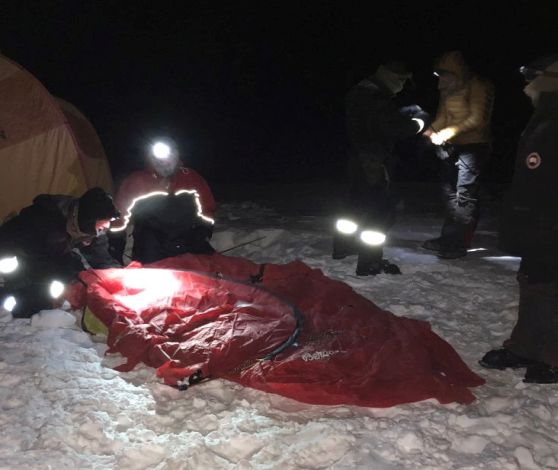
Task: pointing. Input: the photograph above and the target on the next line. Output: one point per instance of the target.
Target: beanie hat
(393, 74)
(535, 73)
(95, 204)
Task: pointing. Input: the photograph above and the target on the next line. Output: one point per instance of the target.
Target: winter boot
(434, 244)
(451, 253)
(541, 374)
(373, 268)
(502, 359)
(343, 246)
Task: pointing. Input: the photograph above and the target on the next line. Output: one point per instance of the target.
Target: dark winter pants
(460, 177)
(535, 335)
(371, 203)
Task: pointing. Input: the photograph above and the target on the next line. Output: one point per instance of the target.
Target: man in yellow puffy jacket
(461, 134)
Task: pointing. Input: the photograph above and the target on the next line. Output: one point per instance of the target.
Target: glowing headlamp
(348, 227)
(9, 303)
(8, 265)
(161, 150)
(371, 237)
(56, 289)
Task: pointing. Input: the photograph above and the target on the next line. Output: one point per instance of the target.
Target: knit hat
(393, 74)
(535, 74)
(95, 204)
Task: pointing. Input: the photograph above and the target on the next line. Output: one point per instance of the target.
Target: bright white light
(346, 226)
(8, 265)
(371, 237)
(56, 289)
(420, 122)
(471, 250)
(161, 150)
(9, 303)
(436, 74)
(145, 286)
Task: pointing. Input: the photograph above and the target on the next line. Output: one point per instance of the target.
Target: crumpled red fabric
(285, 329)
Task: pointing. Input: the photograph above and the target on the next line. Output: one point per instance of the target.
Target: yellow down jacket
(465, 110)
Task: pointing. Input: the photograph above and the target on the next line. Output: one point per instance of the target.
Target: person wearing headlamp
(374, 125)
(529, 230)
(461, 137)
(167, 208)
(48, 243)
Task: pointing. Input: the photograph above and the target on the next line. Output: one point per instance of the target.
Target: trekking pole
(242, 244)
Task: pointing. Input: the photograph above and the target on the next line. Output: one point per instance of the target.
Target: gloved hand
(410, 111)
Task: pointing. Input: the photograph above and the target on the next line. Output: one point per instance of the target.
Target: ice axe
(242, 244)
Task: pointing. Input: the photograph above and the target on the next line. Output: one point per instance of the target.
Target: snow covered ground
(64, 407)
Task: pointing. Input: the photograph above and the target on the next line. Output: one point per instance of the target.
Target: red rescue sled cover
(285, 329)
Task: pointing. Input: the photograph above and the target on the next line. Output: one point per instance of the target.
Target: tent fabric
(285, 329)
(46, 145)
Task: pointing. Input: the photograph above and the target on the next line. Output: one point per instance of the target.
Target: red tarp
(210, 313)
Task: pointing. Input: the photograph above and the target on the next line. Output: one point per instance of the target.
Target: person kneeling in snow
(530, 230)
(167, 208)
(48, 243)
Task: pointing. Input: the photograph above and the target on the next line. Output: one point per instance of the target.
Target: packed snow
(63, 406)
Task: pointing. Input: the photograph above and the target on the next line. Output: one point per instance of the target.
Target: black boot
(343, 246)
(503, 358)
(541, 374)
(434, 244)
(451, 253)
(371, 269)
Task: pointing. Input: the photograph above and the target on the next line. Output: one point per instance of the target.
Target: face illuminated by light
(8, 265)
(164, 159)
(101, 226)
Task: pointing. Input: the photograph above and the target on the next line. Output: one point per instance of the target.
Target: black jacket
(374, 122)
(169, 225)
(38, 236)
(530, 218)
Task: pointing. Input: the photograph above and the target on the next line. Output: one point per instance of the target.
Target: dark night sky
(258, 90)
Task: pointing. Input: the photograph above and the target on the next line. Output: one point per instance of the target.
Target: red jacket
(146, 181)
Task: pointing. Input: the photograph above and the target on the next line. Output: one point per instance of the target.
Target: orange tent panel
(46, 144)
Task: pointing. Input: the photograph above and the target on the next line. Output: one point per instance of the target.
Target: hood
(58, 202)
(453, 62)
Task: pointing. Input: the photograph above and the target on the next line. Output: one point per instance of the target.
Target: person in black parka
(50, 242)
(374, 125)
(530, 230)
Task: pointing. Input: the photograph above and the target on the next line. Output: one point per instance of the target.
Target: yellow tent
(46, 144)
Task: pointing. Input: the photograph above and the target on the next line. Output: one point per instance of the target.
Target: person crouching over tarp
(167, 209)
(374, 125)
(48, 243)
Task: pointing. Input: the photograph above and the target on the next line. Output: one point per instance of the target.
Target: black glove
(410, 111)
